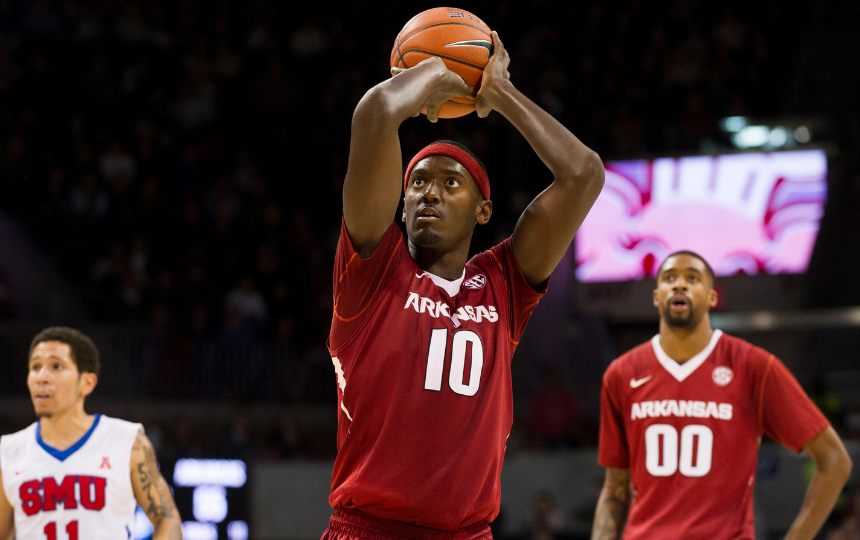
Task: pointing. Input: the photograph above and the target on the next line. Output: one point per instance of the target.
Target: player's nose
(431, 191)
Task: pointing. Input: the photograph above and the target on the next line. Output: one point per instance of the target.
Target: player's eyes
(453, 182)
(417, 181)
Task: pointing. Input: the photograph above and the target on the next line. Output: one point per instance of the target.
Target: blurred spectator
(546, 519)
(553, 415)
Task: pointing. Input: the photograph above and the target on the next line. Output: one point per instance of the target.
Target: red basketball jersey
(424, 382)
(689, 433)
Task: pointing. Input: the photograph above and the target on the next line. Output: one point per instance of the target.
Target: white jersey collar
(682, 371)
(450, 287)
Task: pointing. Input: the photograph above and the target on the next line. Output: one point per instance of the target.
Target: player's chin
(677, 320)
(425, 235)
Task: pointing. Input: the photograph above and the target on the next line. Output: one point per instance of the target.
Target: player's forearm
(391, 102)
(610, 517)
(167, 529)
(824, 489)
(569, 160)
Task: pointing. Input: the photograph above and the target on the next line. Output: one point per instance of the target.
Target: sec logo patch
(722, 375)
(476, 282)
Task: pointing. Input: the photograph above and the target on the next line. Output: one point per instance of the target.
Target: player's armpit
(832, 468)
(152, 492)
(7, 515)
(613, 506)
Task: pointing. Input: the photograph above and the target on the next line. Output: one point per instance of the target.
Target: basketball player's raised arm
(152, 492)
(547, 226)
(7, 515)
(372, 187)
(832, 468)
(613, 506)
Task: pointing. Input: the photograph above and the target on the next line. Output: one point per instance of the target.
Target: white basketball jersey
(81, 493)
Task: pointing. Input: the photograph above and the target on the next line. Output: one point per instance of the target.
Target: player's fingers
(433, 113)
(498, 47)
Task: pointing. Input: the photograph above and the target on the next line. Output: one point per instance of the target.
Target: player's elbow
(837, 462)
(586, 175)
(375, 110)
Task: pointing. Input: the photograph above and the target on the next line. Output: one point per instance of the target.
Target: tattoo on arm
(613, 506)
(158, 503)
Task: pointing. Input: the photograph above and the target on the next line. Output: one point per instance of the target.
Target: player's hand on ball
(451, 85)
(496, 70)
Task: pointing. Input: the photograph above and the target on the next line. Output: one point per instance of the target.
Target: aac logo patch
(476, 282)
(722, 375)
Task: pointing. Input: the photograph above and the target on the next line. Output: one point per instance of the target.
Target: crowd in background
(182, 161)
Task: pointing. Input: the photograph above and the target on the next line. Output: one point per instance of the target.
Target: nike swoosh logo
(634, 383)
(474, 43)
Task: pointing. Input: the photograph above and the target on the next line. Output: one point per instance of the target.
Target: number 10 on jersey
(457, 374)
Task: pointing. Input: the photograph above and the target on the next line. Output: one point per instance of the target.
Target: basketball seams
(458, 23)
(432, 30)
(422, 51)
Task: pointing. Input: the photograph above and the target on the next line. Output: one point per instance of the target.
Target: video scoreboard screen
(749, 214)
(211, 496)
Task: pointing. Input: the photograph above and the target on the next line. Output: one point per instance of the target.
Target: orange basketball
(459, 38)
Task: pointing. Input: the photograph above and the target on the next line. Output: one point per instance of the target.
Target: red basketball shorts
(354, 525)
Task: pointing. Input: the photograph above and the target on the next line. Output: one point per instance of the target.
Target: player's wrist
(498, 94)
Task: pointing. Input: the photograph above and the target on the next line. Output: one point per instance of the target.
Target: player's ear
(654, 298)
(403, 215)
(713, 298)
(483, 211)
(87, 383)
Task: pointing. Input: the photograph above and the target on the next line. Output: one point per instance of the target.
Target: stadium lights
(745, 136)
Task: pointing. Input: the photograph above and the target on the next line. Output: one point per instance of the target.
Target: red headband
(460, 156)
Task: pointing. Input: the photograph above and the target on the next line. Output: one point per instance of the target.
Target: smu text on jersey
(46, 494)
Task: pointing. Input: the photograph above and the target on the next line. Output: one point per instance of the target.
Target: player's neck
(63, 429)
(445, 264)
(681, 344)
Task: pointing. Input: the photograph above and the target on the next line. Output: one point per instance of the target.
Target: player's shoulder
(118, 426)
(630, 362)
(493, 260)
(734, 350)
(26, 434)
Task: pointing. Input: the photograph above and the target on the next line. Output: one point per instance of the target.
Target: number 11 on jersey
(459, 348)
(71, 530)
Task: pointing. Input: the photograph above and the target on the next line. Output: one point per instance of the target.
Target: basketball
(459, 38)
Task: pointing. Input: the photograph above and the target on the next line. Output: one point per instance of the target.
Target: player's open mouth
(427, 214)
(41, 397)
(679, 303)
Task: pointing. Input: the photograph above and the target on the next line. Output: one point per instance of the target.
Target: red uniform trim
(355, 525)
(761, 393)
(505, 281)
(378, 284)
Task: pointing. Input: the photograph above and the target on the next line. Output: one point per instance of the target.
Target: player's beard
(40, 415)
(691, 319)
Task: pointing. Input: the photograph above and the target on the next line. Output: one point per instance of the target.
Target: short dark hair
(463, 147)
(708, 269)
(85, 355)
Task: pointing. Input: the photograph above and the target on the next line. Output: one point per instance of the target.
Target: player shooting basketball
(422, 337)
(681, 421)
